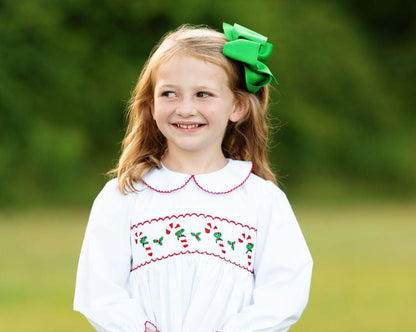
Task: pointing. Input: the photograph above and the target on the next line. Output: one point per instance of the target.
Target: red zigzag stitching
(192, 177)
(193, 214)
(153, 260)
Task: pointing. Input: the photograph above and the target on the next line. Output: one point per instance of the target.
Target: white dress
(215, 252)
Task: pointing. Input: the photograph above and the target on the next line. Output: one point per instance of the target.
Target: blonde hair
(144, 145)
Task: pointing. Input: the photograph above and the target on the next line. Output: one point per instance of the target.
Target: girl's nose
(186, 108)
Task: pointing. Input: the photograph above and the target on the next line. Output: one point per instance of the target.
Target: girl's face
(192, 105)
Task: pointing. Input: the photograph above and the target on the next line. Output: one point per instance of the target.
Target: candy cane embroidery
(180, 236)
(171, 228)
(208, 228)
(219, 241)
(143, 241)
(233, 243)
(217, 236)
(249, 252)
(249, 246)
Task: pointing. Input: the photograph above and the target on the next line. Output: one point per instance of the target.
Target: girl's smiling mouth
(188, 125)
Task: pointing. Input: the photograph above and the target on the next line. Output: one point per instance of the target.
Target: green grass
(364, 275)
(38, 256)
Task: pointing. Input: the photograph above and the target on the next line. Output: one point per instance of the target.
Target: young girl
(194, 235)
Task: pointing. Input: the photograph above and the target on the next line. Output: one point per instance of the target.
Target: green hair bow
(252, 49)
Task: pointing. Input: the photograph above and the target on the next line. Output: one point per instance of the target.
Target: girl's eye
(169, 94)
(203, 94)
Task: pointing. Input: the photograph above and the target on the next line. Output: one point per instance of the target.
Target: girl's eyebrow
(201, 87)
(165, 85)
(205, 87)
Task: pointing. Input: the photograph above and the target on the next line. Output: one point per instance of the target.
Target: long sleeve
(282, 270)
(102, 286)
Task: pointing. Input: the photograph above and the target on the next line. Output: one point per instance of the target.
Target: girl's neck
(193, 164)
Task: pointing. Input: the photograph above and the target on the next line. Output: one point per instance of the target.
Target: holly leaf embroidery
(249, 247)
(217, 237)
(159, 241)
(180, 233)
(196, 235)
(143, 241)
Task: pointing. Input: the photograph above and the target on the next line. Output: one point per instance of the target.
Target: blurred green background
(343, 146)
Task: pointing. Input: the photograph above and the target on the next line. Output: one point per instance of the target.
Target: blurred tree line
(345, 103)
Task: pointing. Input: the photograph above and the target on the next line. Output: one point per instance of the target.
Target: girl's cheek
(159, 104)
(168, 105)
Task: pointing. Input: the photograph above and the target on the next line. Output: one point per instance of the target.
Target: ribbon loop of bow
(252, 50)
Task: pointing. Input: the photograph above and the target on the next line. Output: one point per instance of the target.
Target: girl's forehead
(189, 66)
(189, 63)
(189, 59)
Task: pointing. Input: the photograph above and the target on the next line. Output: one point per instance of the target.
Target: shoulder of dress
(111, 184)
(111, 188)
(266, 189)
(111, 194)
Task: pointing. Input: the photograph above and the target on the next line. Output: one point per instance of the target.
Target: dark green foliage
(67, 67)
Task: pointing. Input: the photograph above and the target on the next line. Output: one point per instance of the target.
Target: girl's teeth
(187, 126)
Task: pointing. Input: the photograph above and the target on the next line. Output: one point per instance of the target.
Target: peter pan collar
(223, 181)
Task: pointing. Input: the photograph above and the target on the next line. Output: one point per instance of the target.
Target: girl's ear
(239, 111)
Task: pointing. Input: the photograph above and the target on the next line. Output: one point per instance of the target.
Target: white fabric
(213, 252)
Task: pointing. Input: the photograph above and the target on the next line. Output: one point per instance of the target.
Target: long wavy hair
(144, 145)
